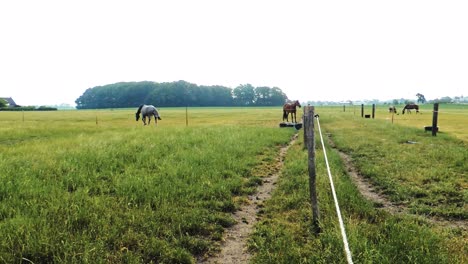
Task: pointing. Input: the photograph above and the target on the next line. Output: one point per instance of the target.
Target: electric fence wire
(338, 211)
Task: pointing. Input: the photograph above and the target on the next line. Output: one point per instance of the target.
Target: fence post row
(309, 140)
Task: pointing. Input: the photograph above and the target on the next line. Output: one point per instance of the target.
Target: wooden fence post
(373, 111)
(186, 115)
(362, 110)
(310, 142)
(435, 115)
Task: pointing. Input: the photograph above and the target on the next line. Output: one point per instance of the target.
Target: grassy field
(429, 178)
(79, 191)
(95, 186)
(452, 118)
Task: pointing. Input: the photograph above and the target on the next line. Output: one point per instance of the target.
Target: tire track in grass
(367, 190)
(234, 246)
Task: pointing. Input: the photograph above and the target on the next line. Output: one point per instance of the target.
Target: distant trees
(180, 93)
(244, 95)
(3, 103)
(443, 100)
(421, 98)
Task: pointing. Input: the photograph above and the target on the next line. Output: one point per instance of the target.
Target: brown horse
(409, 107)
(392, 109)
(290, 108)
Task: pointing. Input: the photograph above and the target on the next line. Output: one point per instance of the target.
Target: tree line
(174, 94)
(5, 107)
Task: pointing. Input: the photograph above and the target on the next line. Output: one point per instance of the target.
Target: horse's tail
(139, 109)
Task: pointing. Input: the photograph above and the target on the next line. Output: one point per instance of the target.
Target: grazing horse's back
(409, 107)
(148, 111)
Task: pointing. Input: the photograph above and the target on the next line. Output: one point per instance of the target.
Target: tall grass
(428, 174)
(79, 191)
(284, 234)
(96, 186)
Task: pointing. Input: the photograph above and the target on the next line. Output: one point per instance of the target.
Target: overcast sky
(52, 51)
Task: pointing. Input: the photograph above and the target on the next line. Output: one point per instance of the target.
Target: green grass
(74, 191)
(403, 171)
(96, 186)
(452, 118)
(425, 173)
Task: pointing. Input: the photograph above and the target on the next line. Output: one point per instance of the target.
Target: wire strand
(338, 211)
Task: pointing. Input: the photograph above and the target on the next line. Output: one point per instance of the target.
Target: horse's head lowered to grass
(147, 111)
(409, 107)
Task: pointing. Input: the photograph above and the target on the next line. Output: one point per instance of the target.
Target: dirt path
(234, 247)
(369, 192)
(367, 189)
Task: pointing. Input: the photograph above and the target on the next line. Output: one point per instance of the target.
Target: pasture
(95, 186)
(426, 181)
(78, 190)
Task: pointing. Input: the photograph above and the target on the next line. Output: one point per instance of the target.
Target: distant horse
(392, 109)
(147, 111)
(409, 107)
(290, 108)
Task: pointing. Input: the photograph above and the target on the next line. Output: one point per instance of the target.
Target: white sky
(52, 51)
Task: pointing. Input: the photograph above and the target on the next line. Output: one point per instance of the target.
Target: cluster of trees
(29, 108)
(4, 107)
(180, 93)
(3, 103)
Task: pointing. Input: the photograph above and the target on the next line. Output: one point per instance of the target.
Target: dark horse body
(392, 109)
(409, 107)
(290, 108)
(147, 111)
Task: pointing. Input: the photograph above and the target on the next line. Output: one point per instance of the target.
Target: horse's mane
(139, 109)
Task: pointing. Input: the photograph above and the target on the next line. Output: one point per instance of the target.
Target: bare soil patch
(234, 246)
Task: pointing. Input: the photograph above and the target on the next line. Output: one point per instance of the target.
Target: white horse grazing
(147, 111)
